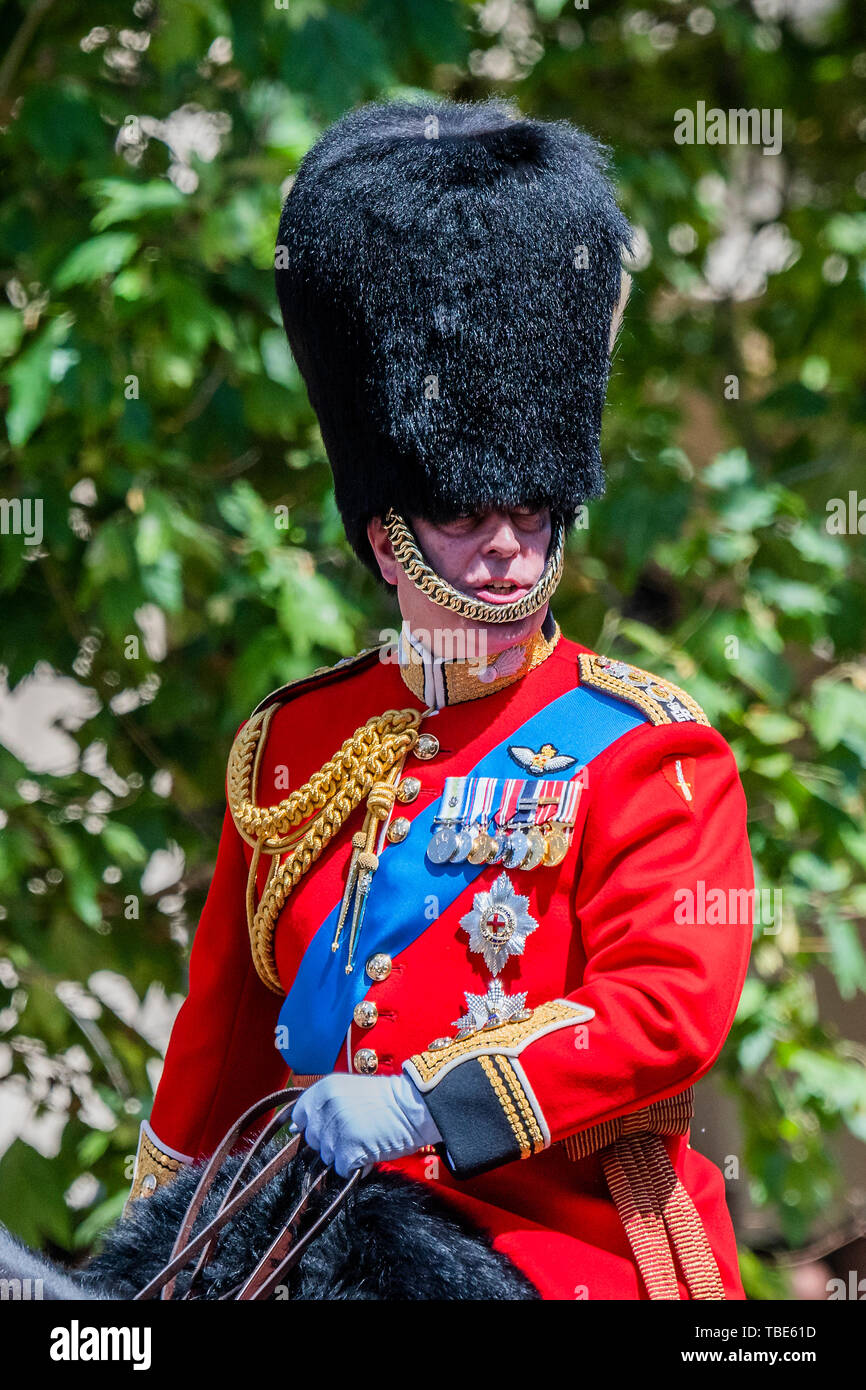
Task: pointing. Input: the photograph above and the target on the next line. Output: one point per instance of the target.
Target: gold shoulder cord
(367, 765)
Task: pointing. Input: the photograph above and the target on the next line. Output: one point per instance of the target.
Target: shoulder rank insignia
(547, 759)
(659, 700)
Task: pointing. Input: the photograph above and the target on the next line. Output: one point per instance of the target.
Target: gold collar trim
(439, 682)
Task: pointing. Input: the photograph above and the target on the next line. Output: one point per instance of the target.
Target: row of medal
(522, 823)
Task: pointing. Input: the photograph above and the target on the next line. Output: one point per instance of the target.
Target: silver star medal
(489, 1010)
(498, 924)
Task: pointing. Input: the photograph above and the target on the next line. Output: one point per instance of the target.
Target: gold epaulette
(660, 700)
(301, 825)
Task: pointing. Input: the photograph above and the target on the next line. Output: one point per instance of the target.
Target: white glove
(356, 1121)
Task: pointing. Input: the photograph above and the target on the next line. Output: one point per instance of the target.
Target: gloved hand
(355, 1121)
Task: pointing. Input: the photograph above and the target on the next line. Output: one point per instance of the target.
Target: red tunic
(661, 825)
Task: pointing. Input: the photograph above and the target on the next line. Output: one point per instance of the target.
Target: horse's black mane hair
(393, 1239)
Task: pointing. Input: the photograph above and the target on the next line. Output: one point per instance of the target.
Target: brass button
(378, 967)
(148, 1185)
(426, 747)
(397, 830)
(408, 789)
(365, 1014)
(365, 1061)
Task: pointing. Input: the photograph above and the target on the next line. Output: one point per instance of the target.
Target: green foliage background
(126, 256)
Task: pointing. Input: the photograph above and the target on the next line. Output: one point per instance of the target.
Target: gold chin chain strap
(367, 765)
(409, 555)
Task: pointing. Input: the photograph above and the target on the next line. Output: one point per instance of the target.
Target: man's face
(494, 556)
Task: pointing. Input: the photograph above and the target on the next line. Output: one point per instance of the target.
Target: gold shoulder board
(659, 700)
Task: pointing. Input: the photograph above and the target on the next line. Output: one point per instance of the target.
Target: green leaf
(818, 874)
(278, 361)
(838, 715)
(792, 596)
(338, 58)
(95, 258)
(728, 470)
(11, 331)
(30, 380)
(772, 726)
(123, 844)
(846, 232)
(61, 121)
(163, 582)
(818, 547)
(83, 892)
(125, 201)
(849, 960)
(100, 1219)
(747, 508)
(31, 1197)
(756, 1048)
(94, 1144)
(840, 1084)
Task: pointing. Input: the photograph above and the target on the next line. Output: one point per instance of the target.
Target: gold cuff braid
(359, 768)
(153, 1169)
(506, 1038)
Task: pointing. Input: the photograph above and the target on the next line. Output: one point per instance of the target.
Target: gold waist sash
(659, 1217)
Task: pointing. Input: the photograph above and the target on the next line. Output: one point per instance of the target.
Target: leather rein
(288, 1246)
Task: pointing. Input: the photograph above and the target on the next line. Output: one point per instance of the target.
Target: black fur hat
(447, 275)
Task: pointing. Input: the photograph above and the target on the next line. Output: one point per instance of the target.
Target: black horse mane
(393, 1239)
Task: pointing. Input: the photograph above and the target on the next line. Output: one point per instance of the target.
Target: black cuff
(477, 1091)
(484, 1116)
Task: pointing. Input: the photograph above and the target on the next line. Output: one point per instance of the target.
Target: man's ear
(380, 544)
(616, 320)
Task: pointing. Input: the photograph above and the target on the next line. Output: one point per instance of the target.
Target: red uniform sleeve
(222, 1054)
(664, 984)
(663, 903)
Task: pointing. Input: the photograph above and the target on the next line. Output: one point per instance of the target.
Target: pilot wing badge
(547, 759)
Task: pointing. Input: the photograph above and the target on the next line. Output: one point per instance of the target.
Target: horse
(268, 1220)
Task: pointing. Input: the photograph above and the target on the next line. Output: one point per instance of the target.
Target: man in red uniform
(448, 895)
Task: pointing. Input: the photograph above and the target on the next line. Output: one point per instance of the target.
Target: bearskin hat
(447, 275)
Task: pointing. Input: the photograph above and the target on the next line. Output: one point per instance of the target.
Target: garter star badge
(498, 924)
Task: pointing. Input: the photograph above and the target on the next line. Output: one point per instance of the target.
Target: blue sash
(318, 1008)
